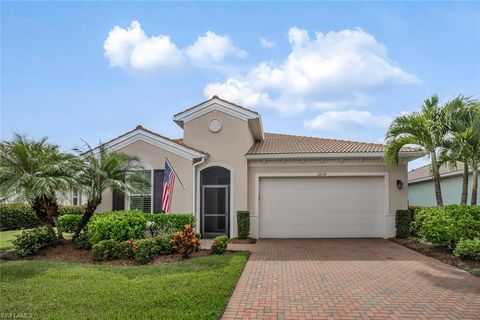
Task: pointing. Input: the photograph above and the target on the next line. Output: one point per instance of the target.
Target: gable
(147, 136)
(217, 104)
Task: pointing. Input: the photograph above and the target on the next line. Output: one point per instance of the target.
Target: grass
(193, 289)
(6, 238)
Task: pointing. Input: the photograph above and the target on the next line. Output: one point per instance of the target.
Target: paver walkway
(349, 279)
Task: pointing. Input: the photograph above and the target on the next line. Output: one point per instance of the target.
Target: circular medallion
(215, 125)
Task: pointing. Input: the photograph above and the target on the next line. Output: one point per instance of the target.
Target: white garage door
(321, 207)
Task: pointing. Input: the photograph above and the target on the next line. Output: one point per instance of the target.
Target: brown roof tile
(275, 143)
(426, 171)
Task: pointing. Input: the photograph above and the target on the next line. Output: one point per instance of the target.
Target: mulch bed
(65, 251)
(443, 254)
(243, 241)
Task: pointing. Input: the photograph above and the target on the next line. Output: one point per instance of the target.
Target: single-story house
(421, 191)
(293, 186)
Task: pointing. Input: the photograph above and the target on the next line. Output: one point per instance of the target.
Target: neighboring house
(293, 186)
(71, 198)
(421, 191)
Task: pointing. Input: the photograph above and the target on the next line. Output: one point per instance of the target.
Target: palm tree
(460, 145)
(101, 170)
(36, 171)
(427, 129)
(474, 148)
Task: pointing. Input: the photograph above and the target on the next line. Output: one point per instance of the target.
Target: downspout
(194, 193)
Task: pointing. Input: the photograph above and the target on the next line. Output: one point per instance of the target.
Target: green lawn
(192, 289)
(6, 238)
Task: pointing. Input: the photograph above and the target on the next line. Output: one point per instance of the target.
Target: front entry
(215, 202)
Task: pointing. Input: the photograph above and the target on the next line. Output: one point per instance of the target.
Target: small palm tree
(427, 129)
(36, 171)
(101, 170)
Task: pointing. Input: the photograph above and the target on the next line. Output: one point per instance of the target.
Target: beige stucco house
(293, 186)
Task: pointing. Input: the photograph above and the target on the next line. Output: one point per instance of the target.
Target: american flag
(168, 182)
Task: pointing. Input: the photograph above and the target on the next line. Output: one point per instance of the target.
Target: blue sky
(340, 70)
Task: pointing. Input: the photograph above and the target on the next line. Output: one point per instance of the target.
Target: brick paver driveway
(350, 279)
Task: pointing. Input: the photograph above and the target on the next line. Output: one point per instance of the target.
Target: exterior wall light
(399, 184)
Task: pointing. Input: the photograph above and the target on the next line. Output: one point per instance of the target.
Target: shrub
(403, 220)
(82, 242)
(243, 224)
(29, 242)
(142, 250)
(105, 250)
(164, 242)
(447, 225)
(79, 210)
(126, 249)
(118, 225)
(185, 242)
(145, 250)
(17, 216)
(69, 222)
(469, 249)
(219, 245)
(170, 223)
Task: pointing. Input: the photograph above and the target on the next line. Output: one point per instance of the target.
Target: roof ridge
(221, 99)
(330, 139)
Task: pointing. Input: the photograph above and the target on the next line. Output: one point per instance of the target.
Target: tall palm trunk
(464, 184)
(473, 201)
(436, 179)
(89, 211)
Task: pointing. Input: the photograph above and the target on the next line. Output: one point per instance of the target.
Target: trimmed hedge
(69, 222)
(142, 250)
(403, 221)
(447, 225)
(117, 225)
(243, 224)
(17, 216)
(171, 223)
(469, 249)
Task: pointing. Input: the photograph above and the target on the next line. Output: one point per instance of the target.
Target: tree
(474, 148)
(101, 170)
(462, 142)
(426, 129)
(36, 171)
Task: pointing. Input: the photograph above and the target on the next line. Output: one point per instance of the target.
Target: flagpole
(179, 180)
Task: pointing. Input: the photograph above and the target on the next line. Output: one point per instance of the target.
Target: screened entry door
(215, 210)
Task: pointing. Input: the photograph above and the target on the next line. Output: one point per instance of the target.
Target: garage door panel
(321, 207)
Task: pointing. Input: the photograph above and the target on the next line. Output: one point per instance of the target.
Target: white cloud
(131, 47)
(267, 43)
(339, 120)
(213, 47)
(330, 71)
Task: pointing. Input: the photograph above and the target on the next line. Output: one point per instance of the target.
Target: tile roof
(275, 143)
(426, 171)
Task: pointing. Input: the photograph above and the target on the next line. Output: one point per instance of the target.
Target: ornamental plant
(185, 242)
(219, 245)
